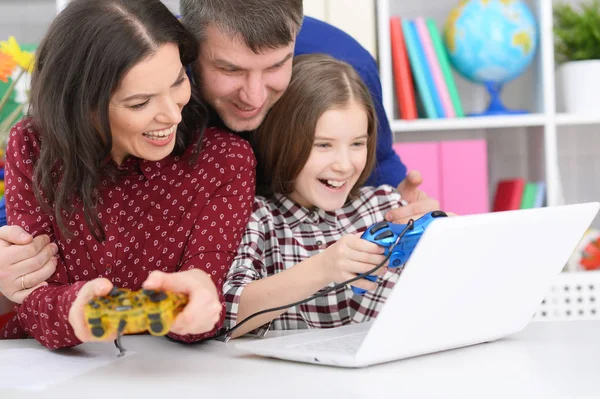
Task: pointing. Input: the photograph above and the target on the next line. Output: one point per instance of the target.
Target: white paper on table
(34, 369)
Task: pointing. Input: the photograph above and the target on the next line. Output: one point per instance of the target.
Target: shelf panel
(484, 122)
(577, 119)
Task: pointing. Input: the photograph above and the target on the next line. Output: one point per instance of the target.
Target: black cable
(409, 226)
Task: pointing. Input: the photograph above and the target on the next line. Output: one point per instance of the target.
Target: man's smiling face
(239, 84)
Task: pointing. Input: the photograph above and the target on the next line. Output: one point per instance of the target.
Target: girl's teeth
(335, 184)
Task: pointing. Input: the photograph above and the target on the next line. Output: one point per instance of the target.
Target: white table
(546, 360)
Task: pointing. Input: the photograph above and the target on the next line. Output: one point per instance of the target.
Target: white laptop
(471, 279)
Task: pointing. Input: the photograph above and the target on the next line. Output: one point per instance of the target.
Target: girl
(114, 166)
(304, 233)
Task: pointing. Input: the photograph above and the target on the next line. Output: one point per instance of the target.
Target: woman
(113, 163)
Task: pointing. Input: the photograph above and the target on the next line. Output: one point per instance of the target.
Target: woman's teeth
(161, 134)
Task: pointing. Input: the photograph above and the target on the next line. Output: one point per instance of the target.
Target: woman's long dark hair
(80, 63)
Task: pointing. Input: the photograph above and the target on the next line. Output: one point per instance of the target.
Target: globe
(491, 42)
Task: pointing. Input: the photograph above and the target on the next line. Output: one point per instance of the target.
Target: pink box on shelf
(464, 166)
(424, 157)
(454, 172)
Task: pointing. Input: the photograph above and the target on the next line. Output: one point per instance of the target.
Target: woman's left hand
(204, 308)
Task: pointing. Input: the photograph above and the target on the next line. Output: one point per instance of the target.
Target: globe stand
(495, 106)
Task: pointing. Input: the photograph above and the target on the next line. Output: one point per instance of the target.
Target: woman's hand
(90, 290)
(203, 310)
(351, 256)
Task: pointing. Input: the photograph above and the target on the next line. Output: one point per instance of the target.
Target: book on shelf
(439, 89)
(418, 53)
(508, 194)
(431, 88)
(442, 56)
(516, 193)
(540, 195)
(418, 67)
(403, 80)
(529, 194)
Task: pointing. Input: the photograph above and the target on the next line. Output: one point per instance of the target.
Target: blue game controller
(385, 234)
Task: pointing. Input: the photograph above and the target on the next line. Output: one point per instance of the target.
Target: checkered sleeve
(248, 265)
(373, 204)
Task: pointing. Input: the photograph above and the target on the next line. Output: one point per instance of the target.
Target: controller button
(158, 296)
(98, 332)
(156, 327)
(378, 226)
(154, 316)
(396, 262)
(385, 234)
(437, 214)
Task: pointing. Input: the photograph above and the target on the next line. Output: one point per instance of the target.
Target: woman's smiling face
(146, 108)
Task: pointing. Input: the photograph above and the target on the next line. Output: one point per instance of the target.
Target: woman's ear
(96, 122)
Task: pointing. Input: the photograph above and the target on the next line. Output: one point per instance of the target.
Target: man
(244, 66)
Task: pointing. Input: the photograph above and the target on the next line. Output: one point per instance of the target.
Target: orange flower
(7, 66)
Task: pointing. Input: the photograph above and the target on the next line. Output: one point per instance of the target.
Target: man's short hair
(260, 24)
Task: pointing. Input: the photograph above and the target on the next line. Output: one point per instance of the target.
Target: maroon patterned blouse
(166, 215)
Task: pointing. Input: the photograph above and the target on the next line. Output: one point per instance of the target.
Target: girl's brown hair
(80, 63)
(284, 140)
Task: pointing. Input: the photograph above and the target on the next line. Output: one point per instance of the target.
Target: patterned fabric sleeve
(218, 231)
(248, 265)
(44, 313)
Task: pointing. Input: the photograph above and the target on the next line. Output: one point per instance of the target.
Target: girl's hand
(203, 309)
(90, 290)
(351, 256)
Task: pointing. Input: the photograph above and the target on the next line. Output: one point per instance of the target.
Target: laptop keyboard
(344, 344)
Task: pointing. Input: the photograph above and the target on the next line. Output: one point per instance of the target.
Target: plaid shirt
(281, 234)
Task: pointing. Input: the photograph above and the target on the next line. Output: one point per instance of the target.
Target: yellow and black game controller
(130, 312)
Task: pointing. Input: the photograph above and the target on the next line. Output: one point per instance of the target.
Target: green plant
(577, 31)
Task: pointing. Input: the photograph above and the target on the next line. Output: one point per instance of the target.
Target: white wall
(355, 17)
(27, 20)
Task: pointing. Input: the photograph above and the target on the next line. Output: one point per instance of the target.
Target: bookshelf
(549, 145)
(537, 119)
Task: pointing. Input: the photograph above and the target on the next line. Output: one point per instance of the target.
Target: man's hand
(203, 310)
(418, 203)
(90, 290)
(25, 262)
